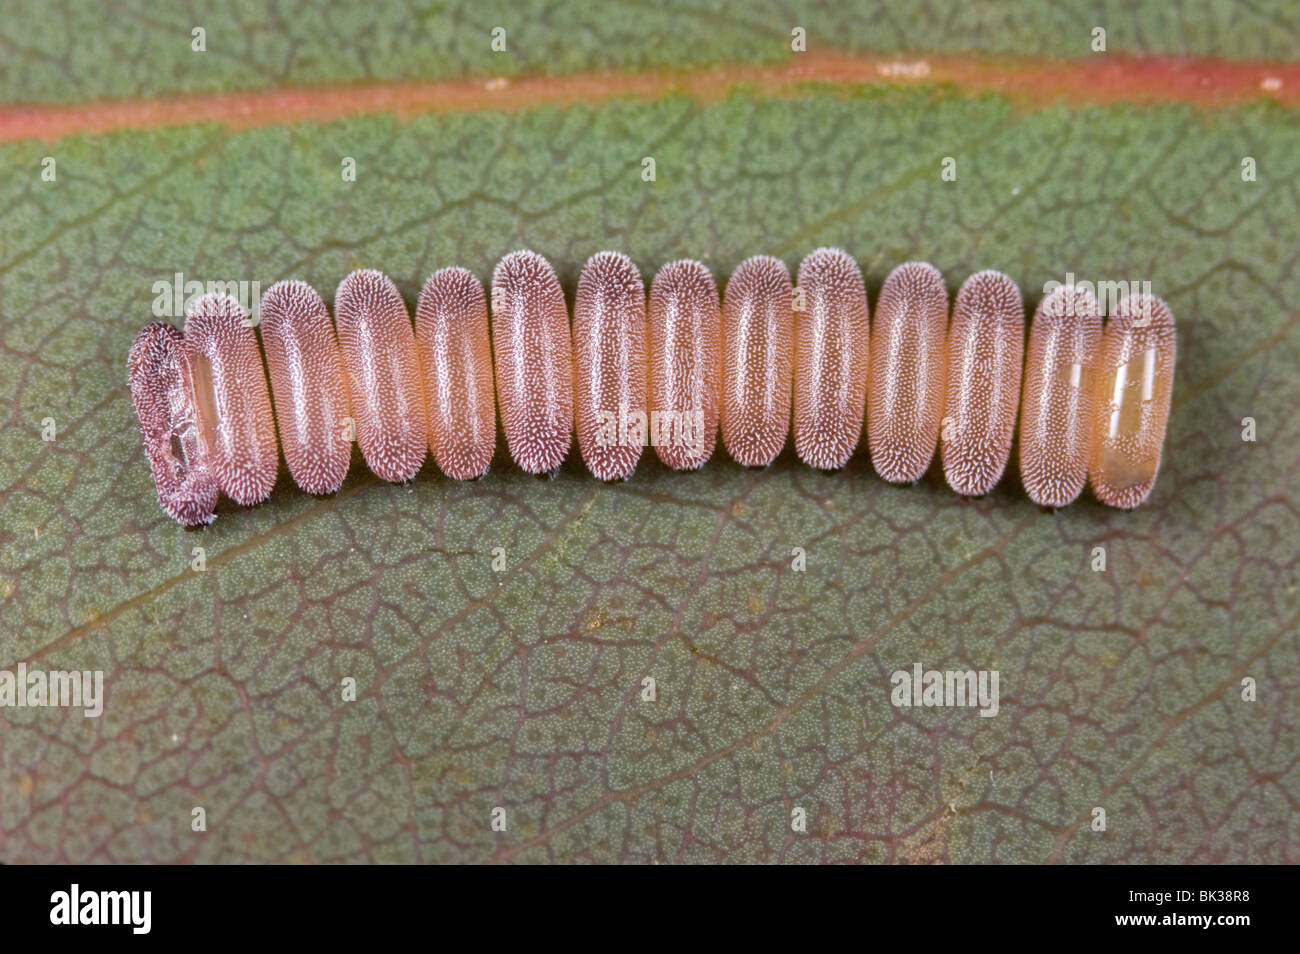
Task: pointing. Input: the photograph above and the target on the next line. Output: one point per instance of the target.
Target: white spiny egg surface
(533, 361)
(451, 335)
(307, 385)
(674, 372)
(684, 331)
(986, 351)
(383, 374)
(232, 398)
(830, 358)
(609, 365)
(757, 360)
(905, 378)
(1056, 406)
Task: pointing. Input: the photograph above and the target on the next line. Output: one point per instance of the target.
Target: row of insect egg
(670, 375)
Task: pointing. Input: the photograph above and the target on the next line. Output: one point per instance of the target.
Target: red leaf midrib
(1100, 79)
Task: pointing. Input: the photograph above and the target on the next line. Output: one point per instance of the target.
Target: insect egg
(986, 348)
(830, 359)
(1134, 386)
(307, 386)
(158, 373)
(675, 370)
(451, 335)
(231, 396)
(609, 364)
(383, 374)
(1056, 408)
(533, 361)
(757, 360)
(905, 377)
(684, 330)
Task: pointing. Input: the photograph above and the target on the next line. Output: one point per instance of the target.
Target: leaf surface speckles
(523, 688)
(71, 50)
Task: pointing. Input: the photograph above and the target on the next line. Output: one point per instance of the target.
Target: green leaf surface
(522, 689)
(56, 50)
